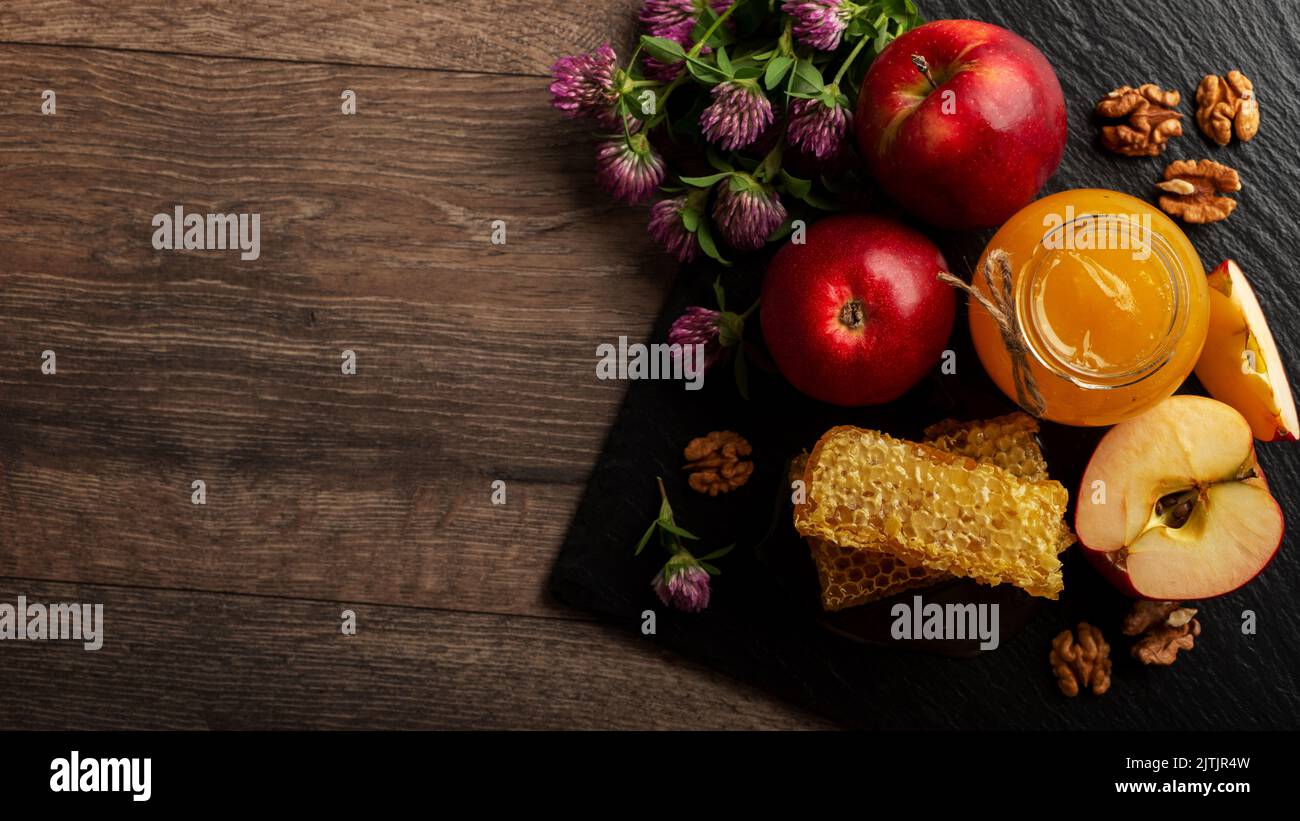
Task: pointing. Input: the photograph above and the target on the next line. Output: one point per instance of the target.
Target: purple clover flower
(819, 24)
(748, 216)
(670, 19)
(818, 129)
(738, 116)
(659, 71)
(669, 230)
(585, 86)
(629, 168)
(699, 326)
(673, 20)
(682, 584)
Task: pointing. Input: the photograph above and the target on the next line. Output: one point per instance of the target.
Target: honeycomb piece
(926, 507)
(1010, 442)
(850, 577)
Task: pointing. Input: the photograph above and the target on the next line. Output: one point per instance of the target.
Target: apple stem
(924, 67)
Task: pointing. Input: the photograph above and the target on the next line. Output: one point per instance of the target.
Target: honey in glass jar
(1110, 301)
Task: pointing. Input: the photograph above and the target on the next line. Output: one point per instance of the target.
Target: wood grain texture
(503, 36)
(475, 361)
(180, 660)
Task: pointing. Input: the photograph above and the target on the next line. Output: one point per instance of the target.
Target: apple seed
(1176, 508)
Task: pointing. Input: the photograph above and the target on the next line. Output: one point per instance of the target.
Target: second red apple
(961, 122)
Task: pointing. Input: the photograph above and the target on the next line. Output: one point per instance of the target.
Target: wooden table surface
(325, 492)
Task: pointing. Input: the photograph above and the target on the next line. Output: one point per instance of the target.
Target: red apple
(973, 139)
(1174, 506)
(856, 314)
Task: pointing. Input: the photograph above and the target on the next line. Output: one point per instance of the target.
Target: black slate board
(764, 625)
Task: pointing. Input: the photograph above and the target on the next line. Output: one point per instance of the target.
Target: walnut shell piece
(717, 462)
(1082, 663)
(1227, 106)
(1161, 644)
(1146, 614)
(1150, 120)
(1193, 191)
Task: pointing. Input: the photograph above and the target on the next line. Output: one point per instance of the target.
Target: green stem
(746, 314)
(671, 87)
(675, 543)
(789, 80)
(771, 164)
(695, 49)
(661, 112)
(848, 61)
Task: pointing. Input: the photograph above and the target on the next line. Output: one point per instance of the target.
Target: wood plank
(179, 660)
(398, 200)
(475, 362)
(410, 537)
(503, 36)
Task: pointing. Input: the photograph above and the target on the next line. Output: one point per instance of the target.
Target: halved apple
(1240, 364)
(1173, 504)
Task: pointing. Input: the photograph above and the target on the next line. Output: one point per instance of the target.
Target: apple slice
(1173, 504)
(1240, 364)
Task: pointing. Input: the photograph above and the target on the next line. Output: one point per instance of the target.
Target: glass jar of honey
(1109, 302)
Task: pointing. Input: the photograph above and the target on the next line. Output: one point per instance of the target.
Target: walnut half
(1163, 627)
(1150, 120)
(1227, 105)
(1146, 614)
(1194, 189)
(1081, 664)
(716, 462)
(1161, 644)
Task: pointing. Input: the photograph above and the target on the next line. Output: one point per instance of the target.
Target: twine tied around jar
(1001, 306)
